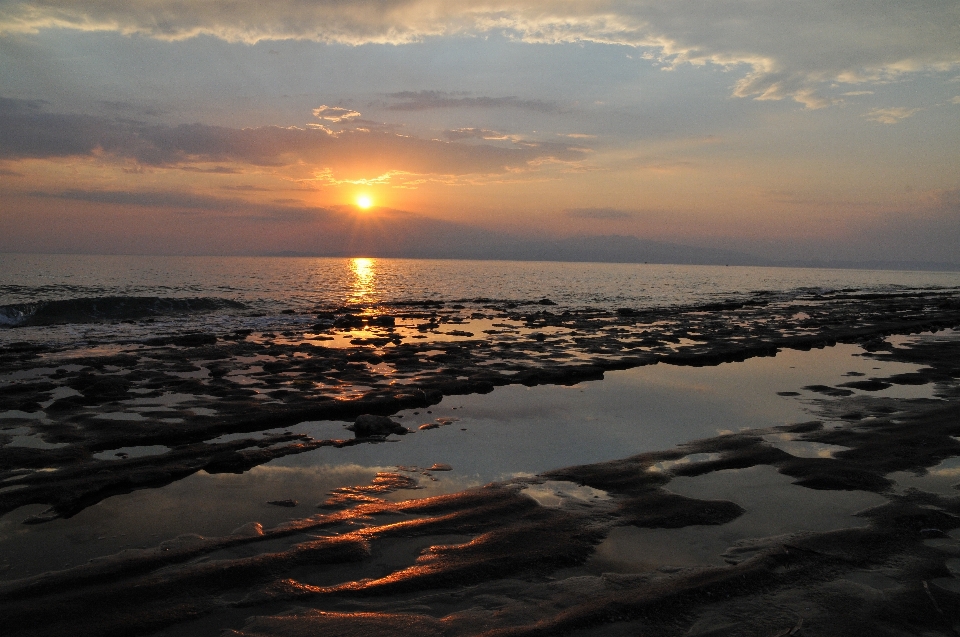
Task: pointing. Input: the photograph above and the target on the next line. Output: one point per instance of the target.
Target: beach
(775, 460)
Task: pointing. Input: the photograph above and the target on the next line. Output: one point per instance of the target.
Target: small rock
(348, 320)
(371, 425)
(440, 466)
(283, 503)
(194, 340)
(430, 425)
(383, 320)
(250, 529)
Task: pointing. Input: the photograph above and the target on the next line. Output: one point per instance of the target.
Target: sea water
(513, 431)
(255, 292)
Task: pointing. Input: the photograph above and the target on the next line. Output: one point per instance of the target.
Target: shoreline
(501, 543)
(287, 380)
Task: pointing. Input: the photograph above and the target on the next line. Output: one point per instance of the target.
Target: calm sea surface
(268, 286)
(293, 281)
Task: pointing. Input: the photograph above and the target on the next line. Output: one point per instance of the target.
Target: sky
(823, 129)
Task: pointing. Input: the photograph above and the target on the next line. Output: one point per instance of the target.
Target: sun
(364, 201)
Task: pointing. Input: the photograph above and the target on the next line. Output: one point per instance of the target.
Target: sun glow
(364, 201)
(364, 279)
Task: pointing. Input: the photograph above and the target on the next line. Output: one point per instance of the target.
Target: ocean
(58, 293)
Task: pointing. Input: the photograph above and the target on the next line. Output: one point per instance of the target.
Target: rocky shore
(496, 560)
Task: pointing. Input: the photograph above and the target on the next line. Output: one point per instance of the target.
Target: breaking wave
(105, 308)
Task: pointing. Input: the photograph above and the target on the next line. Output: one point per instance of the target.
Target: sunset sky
(817, 129)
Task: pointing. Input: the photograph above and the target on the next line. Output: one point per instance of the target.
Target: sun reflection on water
(364, 280)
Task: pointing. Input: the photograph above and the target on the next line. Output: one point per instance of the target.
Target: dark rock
(909, 378)
(217, 371)
(372, 425)
(829, 391)
(545, 302)
(183, 340)
(348, 320)
(384, 320)
(867, 385)
(70, 403)
(659, 509)
(96, 387)
(272, 367)
(284, 503)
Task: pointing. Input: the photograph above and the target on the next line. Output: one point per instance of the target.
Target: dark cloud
(248, 188)
(171, 201)
(130, 109)
(28, 132)
(216, 170)
(600, 213)
(426, 100)
(949, 200)
(151, 199)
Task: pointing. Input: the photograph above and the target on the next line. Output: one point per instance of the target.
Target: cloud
(948, 200)
(28, 132)
(475, 133)
(604, 214)
(156, 199)
(334, 114)
(426, 100)
(890, 115)
(215, 170)
(785, 49)
(185, 201)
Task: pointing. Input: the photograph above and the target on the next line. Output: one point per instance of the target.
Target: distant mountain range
(397, 234)
(404, 235)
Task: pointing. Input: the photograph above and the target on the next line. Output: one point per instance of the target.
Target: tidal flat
(769, 465)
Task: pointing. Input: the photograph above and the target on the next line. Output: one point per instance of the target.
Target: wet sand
(752, 532)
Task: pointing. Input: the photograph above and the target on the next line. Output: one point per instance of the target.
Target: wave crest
(106, 308)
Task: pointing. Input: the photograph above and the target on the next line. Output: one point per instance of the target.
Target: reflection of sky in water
(801, 448)
(515, 430)
(773, 506)
(943, 478)
(521, 430)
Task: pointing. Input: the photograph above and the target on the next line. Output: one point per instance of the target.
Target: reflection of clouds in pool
(943, 479)
(773, 504)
